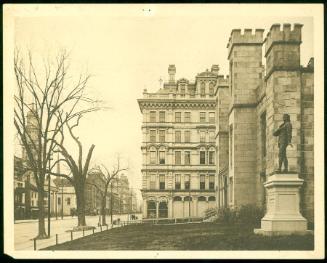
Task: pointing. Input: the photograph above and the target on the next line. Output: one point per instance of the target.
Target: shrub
(227, 215)
(250, 214)
(246, 214)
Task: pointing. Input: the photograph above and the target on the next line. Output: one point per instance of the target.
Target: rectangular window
(187, 116)
(187, 182)
(152, 116)
(177, 157)
(162, 116)
(187, 136)
(177, 181)
(263, 134)
(202, 157)
(211, 182)
(178, 116)
(202, 182)
(161, 181)
(68, 200)
(211, 117)
(153, 157)
(202, 136)
(212, 136)
(152, 181)
(161, 135)
(231, 145)
(211, 157)
(187, 158)
(152, 135)
(177, 136)
(202, 117)
(59, 201)
(162, 157)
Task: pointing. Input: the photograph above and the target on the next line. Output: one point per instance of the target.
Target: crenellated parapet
(285, 35)
(247, 38)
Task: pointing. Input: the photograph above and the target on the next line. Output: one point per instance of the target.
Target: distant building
(26, 194)
(66, 197)
(118, 190)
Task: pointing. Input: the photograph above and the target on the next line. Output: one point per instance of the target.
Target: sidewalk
(26, 230)
(45, 219)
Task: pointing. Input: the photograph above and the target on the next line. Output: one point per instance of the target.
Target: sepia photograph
(152, 131)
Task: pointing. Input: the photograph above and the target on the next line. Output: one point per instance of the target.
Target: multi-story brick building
(179, 152)
(218, 132)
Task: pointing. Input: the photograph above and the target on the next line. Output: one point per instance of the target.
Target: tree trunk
(80, 198)
(103, 210)
(41, 234)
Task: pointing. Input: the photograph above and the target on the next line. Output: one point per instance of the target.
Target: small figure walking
(284, 133)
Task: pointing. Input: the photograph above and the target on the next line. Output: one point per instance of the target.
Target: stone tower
(290, 90)
(283, 77)
(245, 71)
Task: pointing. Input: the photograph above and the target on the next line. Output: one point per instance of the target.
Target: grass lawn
(203, 236)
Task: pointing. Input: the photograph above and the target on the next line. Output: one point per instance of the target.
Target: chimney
(215, 69)
(171, 72)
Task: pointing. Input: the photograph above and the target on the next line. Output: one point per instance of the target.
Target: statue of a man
(284, 133)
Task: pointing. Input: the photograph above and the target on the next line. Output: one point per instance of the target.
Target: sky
(128, 48)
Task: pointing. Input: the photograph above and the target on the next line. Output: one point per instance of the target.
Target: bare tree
(78, 170)
(107, 178)
(44, 103)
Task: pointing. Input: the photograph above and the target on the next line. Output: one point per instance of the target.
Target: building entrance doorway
(163, 210)
(151, 211)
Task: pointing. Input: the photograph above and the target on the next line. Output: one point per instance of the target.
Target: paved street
(26, 230)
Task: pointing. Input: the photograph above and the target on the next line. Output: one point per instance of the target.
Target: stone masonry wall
(245, 60)
(308, 146)
(283, 96)
(221, 133)
(244, 170)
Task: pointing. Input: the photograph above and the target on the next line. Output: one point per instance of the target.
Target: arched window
(187, 198)
(212, 198)
(202, 89)
(201, 199)
(163, 210)
(151, 211)
(177, 198)
(211, 89)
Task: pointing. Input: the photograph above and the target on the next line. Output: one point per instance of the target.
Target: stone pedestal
(283, 215)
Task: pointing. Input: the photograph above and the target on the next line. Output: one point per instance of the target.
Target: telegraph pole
(111, 195)
(49, 195)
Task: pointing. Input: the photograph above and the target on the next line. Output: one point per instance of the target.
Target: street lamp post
(62, 199)
(49, 194)
(111, 195)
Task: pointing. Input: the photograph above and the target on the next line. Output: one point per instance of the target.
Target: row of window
(205, 157)
(182, 89)
(178, 116)
(178, 136)
(187, 182)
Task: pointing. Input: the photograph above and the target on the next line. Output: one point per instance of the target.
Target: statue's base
(283, 200)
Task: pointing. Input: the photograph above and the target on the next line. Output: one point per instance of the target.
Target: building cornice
(174, 104)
